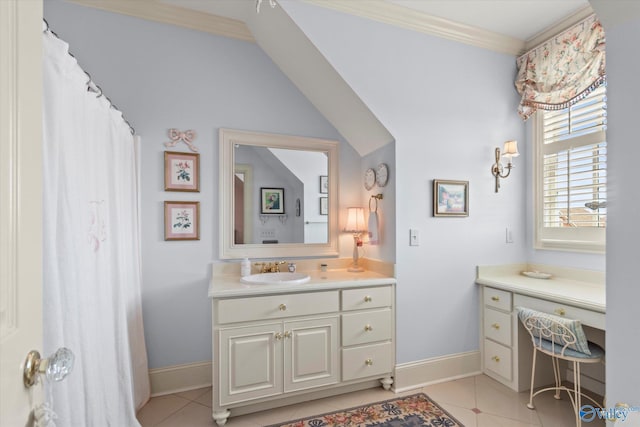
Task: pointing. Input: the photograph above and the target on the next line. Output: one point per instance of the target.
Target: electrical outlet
(414, 237)
(267, 233)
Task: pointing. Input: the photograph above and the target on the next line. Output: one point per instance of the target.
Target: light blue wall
(448, 106)
(164, 77)
(386, 249)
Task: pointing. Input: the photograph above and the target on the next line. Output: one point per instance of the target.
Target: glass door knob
(56, 367)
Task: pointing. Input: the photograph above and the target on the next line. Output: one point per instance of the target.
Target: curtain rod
(91, 85)
(582, 21)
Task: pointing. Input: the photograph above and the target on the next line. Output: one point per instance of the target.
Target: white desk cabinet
(505, 344)
(270, 349)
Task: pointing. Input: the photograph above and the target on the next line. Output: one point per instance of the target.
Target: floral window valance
(563, 70)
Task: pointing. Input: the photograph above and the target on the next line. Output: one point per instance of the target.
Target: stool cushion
(595, 351)
(575, 326)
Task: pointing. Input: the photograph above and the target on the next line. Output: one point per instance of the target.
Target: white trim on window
(575, 181)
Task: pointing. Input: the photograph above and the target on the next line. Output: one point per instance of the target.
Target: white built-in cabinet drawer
(276, 306)
(497, 326)
(367, 361)
(497, 359)
(359, 299)
(586, 317)
(497, 298)
(366, 327)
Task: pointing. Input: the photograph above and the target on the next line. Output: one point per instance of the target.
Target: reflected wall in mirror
(269, 195)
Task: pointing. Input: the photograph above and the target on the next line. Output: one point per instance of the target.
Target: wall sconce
(355, 225)
(510, 150)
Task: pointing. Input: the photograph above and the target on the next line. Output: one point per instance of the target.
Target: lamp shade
(510, 149)
(355, 220)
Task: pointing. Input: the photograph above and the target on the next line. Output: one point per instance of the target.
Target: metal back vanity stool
(562, 339)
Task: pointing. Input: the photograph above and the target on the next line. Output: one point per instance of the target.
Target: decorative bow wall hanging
(187, 137)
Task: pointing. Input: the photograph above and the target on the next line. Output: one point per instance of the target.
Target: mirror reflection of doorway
(238, 219)
(242, 198)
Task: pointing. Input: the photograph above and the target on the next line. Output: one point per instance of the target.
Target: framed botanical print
(324, 206)
(181, 220)
(324, 184)
(181, 171)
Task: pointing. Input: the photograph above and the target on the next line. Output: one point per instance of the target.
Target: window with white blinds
(572, 175)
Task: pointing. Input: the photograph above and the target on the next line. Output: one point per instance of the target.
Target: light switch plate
(414, 237)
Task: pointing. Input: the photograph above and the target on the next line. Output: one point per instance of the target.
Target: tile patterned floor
(477, 401)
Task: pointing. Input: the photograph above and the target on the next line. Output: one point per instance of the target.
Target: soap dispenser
(245, 267)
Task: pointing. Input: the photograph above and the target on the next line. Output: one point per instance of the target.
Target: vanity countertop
(229, 285)
(580, 288)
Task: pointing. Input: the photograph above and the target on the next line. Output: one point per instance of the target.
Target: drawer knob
(368, 328)
(282, 307)
(560, 311)
(368, 362)
(494, 298)
(368, 299)
(496, 326)
(278, 336)
(496, 359)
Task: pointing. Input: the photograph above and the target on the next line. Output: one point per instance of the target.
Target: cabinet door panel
(311, 353)
(250, 363)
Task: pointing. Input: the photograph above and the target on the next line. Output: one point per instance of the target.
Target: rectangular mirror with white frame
(270, 195)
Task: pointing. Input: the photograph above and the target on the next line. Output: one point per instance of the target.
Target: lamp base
(355, 269)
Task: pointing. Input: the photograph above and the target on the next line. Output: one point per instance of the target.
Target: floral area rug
(415, 410)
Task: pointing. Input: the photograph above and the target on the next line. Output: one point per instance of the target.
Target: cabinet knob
(368, 299)
(368, 328)
(496, 326)
(560, 311)
(287, 334)
(278, 336)
(368, 362)
(282, 307)
(496, 359)
(496, 299)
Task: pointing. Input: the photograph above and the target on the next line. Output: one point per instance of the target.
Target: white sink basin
(276, 278)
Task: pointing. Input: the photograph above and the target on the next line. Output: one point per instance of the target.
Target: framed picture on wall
(324, 184)
(450, 198)
(181, 220)
(272, 200)
(181, 171)
(324, 206)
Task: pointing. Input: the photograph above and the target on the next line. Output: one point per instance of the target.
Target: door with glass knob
(20, 204)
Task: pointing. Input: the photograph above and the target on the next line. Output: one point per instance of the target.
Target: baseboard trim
(436, 370)
(174, 379)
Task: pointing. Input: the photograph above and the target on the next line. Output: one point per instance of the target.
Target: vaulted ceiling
(503, 25)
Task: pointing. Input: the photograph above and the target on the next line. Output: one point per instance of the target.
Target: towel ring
(375, 197)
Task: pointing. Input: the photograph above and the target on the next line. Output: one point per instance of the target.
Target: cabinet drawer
(367, 361)
(497, 359)
(366, 327)
(497, 298)
(497, 326)
(586, 317)
(276, 306)
(357, 299)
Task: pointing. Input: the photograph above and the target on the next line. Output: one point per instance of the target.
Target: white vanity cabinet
(270, 349)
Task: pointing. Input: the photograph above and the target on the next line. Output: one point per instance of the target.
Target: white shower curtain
(91, 242)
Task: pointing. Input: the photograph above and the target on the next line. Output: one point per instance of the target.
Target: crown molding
(153, 10)
(399, 16)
